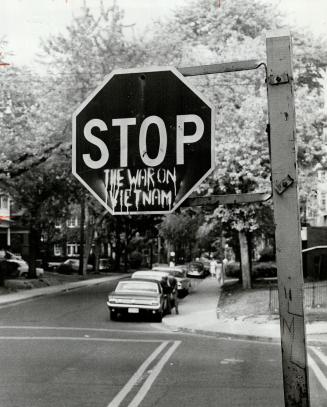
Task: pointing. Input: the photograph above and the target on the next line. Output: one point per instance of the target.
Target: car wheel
(113, 316)
(158, 316)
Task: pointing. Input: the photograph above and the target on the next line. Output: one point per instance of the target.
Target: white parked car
(71, 266)
(137, 296)
(19, 266)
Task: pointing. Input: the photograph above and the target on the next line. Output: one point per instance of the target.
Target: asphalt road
(62, 351)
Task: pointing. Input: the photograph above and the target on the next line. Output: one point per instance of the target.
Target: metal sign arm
(220, 68)
(227, 199)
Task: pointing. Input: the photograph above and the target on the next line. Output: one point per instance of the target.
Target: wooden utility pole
(287, 217)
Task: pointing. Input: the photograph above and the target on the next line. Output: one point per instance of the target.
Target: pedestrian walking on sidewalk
(213, 267)
(173, 293)
(219, 275)
(223, 269)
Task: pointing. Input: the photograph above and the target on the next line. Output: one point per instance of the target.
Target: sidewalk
(198, 312)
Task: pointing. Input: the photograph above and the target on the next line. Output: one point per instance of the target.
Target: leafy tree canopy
(205, 33)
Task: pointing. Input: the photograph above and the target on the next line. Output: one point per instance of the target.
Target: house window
(57, 250)
(72, 222)
(57, 224)
(72, 249)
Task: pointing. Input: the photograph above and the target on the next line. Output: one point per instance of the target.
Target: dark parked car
(70, 266)
(137, 296)
(183, 282)
(206, 264)
(105, 265)
(196, 269)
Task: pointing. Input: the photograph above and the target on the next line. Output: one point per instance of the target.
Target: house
(314, 252)
(58, 240)
(314, 227)
(5, 221)
(315, 205)
(13, 235)
(65, 241)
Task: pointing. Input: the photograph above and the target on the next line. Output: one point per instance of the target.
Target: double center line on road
(143, 377)
(315, 368)
(140, 372)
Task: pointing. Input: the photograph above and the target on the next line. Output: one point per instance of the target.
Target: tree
(27, 171)
(209, 237)
(180, 232)
(77, 60)
(21, 135)
(204, 33)
(93, 45)
(127, 228)
(43, 195)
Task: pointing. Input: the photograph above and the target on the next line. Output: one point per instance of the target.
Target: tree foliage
(180, 232)
(77, 60)
(205, 33)
(36, 111)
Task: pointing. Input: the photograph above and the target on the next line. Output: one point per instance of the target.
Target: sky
(23, 22)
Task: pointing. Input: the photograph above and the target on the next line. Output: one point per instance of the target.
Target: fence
(315, 296)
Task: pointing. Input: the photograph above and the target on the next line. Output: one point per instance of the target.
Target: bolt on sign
(143, 141)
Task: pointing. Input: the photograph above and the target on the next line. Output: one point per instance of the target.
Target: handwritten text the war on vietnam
(137, 189)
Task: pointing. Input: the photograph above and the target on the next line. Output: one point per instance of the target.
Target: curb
(240, 336)
(223, 335)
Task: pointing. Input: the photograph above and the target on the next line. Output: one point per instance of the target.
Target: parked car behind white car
(168, 283)
(183, 282)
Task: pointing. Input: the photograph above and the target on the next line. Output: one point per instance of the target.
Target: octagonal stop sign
(143, 141)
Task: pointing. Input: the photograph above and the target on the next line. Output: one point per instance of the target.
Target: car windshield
(196, 264)
(172, 271)
(154, 275)
(128, 286)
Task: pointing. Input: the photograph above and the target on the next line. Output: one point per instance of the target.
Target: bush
(267, 254)
(259, 270)
(8, 270)
(266, 269)
(233, 270)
